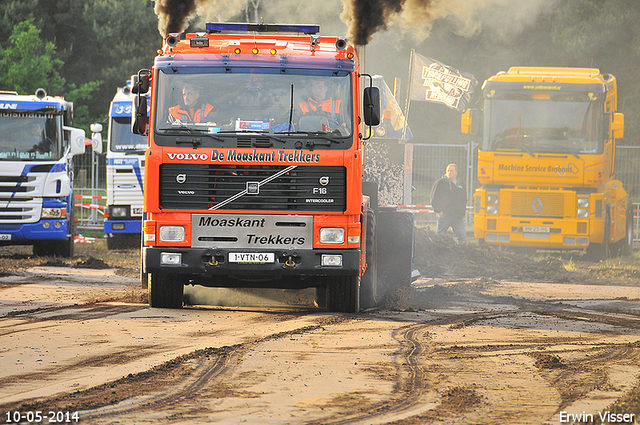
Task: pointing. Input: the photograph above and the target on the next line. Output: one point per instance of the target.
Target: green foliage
(28, 63)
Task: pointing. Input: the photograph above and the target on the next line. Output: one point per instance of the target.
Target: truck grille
(17, 201)
(537, 204)
(263, 187)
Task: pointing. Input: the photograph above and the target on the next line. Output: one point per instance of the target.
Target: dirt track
(465, 345)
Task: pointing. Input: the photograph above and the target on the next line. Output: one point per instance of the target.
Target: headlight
(117, 212)
(492, 199)
(332, 235)
(583, 213)
(171, 234)
(492, 209)
(54, 212)
(583, 202)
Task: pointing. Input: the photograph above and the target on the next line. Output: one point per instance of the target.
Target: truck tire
(166, 290)
(370, 295)
(342, 293)
(395, 231)
(114, 241)
(627, 242)
(602, 251)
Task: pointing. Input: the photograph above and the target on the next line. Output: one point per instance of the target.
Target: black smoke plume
(366, 17)
(173, 15)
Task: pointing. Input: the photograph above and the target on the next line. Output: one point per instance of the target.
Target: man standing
(449, 201)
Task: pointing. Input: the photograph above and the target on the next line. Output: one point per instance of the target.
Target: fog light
(331, 260)
(582, 241)
(504, 238)
(170, 258)
(492, 209)
(57, 224)
(491, 238)
(118, 226)
(46, 225)
(583, 213)
(171, 234)
(569, 241)
(332, 235)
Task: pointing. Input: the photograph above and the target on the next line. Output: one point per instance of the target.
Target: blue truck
(37, 146)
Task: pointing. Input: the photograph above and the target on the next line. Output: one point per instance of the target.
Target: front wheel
(342, 293)
(165, 290)
(602, 251)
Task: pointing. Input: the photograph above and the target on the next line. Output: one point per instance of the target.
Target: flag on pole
(433, 81)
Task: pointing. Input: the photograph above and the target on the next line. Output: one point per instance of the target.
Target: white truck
(125, 175)
(37, 146)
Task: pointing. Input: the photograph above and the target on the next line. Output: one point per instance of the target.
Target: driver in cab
(193, 110)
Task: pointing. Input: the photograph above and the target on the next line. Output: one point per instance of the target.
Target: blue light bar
(237, 26)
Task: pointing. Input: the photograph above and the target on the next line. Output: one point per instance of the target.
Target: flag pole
(408, 99)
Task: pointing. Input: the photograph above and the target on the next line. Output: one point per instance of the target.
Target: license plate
(5, 237)
(252, 257)
(535, 229)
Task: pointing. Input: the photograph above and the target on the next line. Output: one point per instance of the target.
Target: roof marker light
(236, 26)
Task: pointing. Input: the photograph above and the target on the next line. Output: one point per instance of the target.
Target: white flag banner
(433, 81)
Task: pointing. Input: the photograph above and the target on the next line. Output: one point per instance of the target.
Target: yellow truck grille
(536, 204)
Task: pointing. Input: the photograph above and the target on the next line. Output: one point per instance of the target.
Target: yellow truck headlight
(583, 202)
(583, 213)
(492, 199)
(492, 209)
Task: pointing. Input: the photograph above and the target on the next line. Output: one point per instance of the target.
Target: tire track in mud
(46, 317)
(162, 386)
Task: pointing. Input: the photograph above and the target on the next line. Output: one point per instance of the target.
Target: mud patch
(91, 263)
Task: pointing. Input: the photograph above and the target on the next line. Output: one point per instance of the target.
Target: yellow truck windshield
(543, 122)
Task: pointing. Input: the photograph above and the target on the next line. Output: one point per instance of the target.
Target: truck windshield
(544, 122)
(121, 137)
(30, 136)
(254, 100)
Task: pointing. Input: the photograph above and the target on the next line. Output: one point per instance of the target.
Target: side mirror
(140, 82)
(371, 105)
(76, 140)
(617, 126)
(96, 137)
(140, 118)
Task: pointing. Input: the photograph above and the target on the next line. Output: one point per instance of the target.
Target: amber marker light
(273, 52)
(237, 51)
(254, 51)
(350, 55)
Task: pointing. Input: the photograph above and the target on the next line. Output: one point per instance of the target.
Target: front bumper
(213, 263)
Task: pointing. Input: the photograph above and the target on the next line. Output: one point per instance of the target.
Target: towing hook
(211, 262)
(290, 262)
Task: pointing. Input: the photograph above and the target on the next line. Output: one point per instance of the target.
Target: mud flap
(395, 233)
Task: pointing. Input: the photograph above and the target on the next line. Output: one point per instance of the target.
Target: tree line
(84, 51)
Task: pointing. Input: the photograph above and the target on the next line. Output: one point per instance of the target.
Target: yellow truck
(546, 161)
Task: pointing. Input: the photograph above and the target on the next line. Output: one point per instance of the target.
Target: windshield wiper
(135, 152)
(322, 136)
